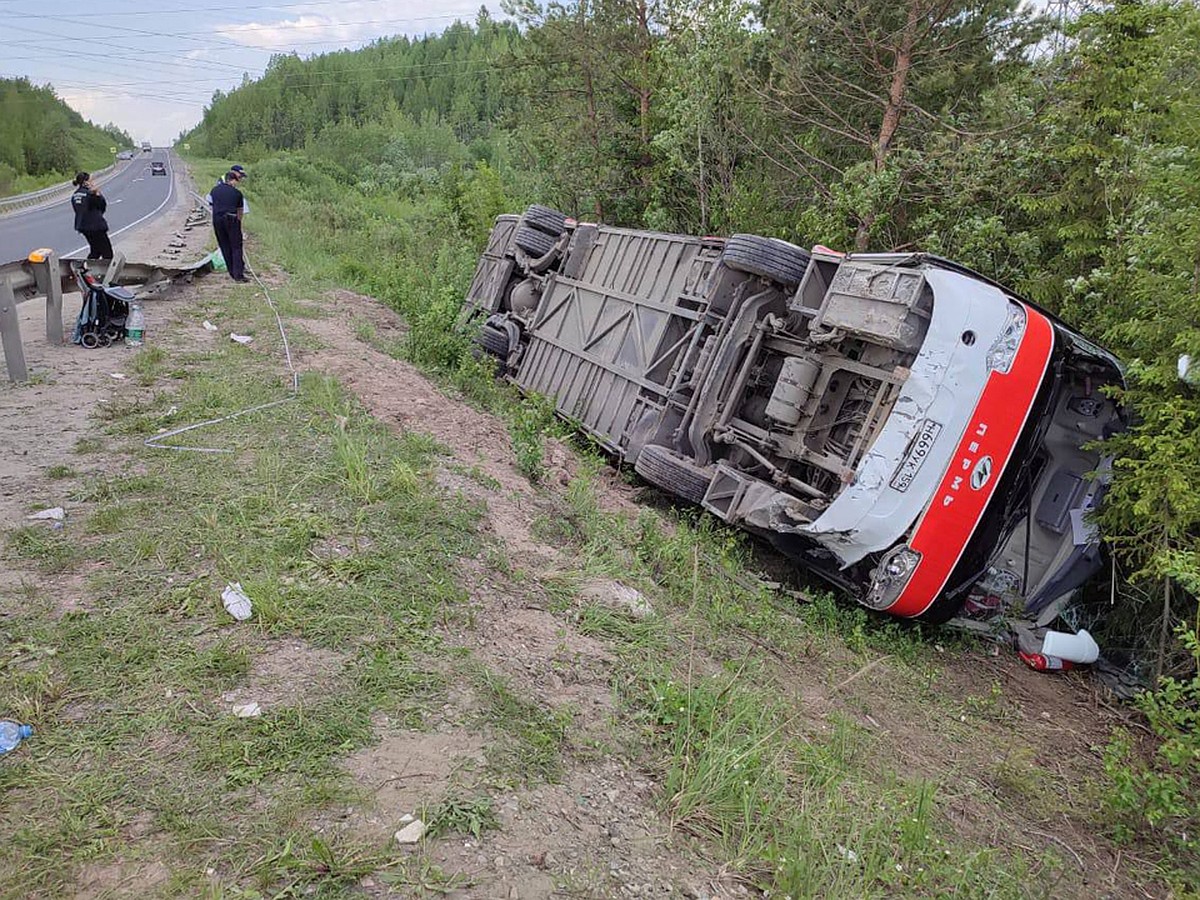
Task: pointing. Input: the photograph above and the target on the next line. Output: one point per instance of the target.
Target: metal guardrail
(52, 194)
(44, 274)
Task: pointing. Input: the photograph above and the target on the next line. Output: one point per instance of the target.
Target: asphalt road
(133, 196)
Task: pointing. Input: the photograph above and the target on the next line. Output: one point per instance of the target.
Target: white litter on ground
(236, 602)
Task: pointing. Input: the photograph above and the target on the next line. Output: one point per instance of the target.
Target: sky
(151, 66)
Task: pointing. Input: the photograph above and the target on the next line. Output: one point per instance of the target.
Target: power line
(209, 64)
(296, 79)
(191, 36)
(200, 9)
(109, 54)
(228, 46)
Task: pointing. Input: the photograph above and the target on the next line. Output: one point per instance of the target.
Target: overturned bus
(894, 422)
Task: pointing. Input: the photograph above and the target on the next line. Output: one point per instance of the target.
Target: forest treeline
(43, 140)
(1058, 154)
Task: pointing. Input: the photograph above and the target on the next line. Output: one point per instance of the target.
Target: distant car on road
(125, 154)
(158, 168)
(146, 148)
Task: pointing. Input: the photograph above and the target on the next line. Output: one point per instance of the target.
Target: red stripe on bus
(983, 454)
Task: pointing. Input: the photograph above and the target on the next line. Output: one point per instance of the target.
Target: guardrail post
(49, 282)
(10, 334)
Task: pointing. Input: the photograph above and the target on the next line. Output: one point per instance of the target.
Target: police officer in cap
(241, 173)
(227, 205)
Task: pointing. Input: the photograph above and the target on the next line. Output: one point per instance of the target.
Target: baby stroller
(103, 312)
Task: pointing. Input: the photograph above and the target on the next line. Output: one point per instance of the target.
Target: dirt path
(599, 828)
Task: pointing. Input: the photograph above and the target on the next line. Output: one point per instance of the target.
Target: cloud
(149, 119)
(352, 23)
(158, 112)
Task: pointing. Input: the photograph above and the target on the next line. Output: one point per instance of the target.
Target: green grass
(89, 445)
(126, 697)
(457, 815)
(47, 550)
(800, 808)
(409, 252)
(149, 363)
(529, 422)
(533, 737)
(806, 815)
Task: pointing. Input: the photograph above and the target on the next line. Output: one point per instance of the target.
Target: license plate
(918, 449)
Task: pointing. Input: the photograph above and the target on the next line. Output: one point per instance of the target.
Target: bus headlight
(1004, 349)
(891, 576)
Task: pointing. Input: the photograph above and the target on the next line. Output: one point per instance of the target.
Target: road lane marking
(153, 212)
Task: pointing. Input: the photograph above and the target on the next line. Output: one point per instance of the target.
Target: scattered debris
(847, 854)
(241, 338)
(1040, 662)
(411, 833)
(120, 376)
(861, 672)
(236, 602)
(11, 735)
(249, 710)
(1044, 650)
(1188, 373)
(57, 514)
(209, 326)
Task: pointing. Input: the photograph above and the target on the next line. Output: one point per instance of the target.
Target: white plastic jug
(1077, 648)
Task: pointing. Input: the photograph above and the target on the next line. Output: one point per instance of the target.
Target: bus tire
(666, 469)
(547, 220)
(766, 257)
(536, 243)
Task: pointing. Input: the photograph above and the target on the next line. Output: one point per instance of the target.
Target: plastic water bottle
(11, 735)
(135, 326)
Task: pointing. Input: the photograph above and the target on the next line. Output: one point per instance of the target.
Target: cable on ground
(157, 441)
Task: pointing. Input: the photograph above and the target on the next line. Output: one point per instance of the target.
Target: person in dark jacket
(89, 205)
(227, 203)
(241, 174)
